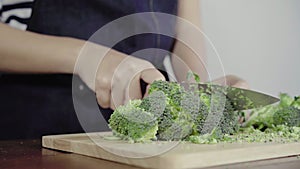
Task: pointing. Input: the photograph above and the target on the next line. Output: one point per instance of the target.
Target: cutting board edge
(172, 161)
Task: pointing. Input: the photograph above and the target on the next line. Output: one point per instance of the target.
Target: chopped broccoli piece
(289, 116)
(173, 124)
(285, 100)
(229, 123)
(192, 75)
(154, 103)
(172, 90)
(133, 123)
(286, 112)
(209, 138)
(178, 130)
(296, 102)
(262, 118)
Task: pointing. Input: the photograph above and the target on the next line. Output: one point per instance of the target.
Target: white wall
(258, 40)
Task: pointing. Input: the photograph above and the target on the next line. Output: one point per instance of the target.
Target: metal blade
(241, 99)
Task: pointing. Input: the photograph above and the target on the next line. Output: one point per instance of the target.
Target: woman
(36, 88)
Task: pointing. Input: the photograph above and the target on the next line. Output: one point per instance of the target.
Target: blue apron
(35, 105)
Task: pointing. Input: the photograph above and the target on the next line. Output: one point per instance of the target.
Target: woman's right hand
(117, 77)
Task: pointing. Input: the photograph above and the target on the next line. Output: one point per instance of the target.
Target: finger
(147, 91)
(241, 84)
(235, 81)
(220, 81)
(112, 103)
(117, 93)
(133, 90)
(151, 74)
(103, 98)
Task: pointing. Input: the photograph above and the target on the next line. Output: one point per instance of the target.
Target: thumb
(151, 74)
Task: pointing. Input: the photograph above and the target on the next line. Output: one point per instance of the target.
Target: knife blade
(241, 99)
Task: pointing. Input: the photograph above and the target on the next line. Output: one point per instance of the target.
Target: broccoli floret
(172, 90)
(218, 123)
(289, 116)
(198, 108)
(154, 103)
(216, 114)
(229, 123)
(171, 125)
(296, 102)
(262, 118)
(187, 110)
(286, 113)
(285, 100)
(133, 123)
(160, 106)
(166, 119)
(178, 130)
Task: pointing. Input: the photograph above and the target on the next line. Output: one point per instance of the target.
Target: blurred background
(258, 40)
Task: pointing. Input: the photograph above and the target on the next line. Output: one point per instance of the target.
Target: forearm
(190, 56)
(27, 52)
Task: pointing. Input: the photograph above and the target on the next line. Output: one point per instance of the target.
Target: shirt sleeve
(1, 10)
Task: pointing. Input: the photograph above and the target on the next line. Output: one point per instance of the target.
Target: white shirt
(16, 13)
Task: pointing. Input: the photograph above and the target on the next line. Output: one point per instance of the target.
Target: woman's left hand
(232, 80)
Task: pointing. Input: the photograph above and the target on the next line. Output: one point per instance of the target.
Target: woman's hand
(232, 80)
(117, 77)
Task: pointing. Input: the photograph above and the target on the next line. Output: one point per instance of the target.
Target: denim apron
(36, 105)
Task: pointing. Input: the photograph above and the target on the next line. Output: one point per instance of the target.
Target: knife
(241, 99)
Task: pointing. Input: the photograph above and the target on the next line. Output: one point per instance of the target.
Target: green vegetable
(278, 134)
(178, 113)
(172, 90)
(174, 123)
(133, 123)
(155, 103)
(286, 112)
(289, 116)
(209, 138)
(171, 112)
(191, 75)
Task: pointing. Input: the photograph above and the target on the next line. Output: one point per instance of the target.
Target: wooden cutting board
(167, 154)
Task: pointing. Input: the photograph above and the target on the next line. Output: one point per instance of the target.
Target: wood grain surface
(167, 154)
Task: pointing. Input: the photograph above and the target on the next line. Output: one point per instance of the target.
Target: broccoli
(133, 123)
(172, 112)
(173, 124)
(155, 103)
(187, 110)
(229, 123)
(217, 124)
(216, 114)
(289, 116)
(284, 113)
(178, 130)
(203, 115)
(172, 90)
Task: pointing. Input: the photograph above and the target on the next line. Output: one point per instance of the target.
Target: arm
(23, 51)
(117, 75)
(190, 11)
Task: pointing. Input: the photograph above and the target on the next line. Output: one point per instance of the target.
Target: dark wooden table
(29, 154)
